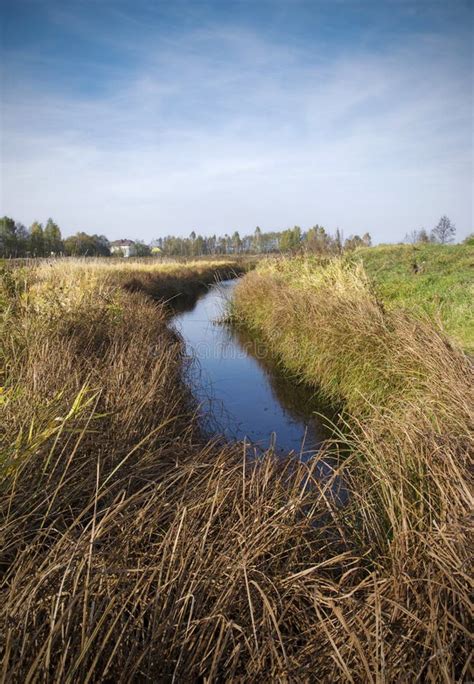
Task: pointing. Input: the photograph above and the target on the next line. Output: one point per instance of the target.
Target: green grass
(443, 287)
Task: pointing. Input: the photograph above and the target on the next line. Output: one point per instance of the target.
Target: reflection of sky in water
(243, 394)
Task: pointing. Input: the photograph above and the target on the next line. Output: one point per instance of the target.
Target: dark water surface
(241, 392)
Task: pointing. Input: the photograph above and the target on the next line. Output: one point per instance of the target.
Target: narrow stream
(241, 392)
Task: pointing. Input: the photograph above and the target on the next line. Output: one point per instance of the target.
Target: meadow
(133, 547)
(427, 278)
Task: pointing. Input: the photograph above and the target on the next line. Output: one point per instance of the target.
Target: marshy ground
(133, 548)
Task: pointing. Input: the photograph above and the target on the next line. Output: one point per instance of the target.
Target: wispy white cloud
(219, 129)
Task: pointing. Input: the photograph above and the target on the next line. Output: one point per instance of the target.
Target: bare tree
(416, 236)
(412, 237)
(444, 232)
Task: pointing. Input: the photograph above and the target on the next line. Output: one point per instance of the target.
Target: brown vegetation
(132, 549)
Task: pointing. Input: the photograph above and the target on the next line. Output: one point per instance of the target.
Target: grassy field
(435, 279)
(134, 549)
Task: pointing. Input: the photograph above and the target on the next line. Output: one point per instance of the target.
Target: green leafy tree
(53, 243)
(37, 240)
(22, 239)
(221, 245)
(13, 238)
(83, 244)
(199, 246)
(290, 239)
(8, 237)
(318, 240)
(285, 240)
(236, 242)
(141, 249)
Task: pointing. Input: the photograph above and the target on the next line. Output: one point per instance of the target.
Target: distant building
(124, 248)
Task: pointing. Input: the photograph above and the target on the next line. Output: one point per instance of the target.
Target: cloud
(220, 128)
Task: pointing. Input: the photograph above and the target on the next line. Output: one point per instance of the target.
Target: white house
(124, 248)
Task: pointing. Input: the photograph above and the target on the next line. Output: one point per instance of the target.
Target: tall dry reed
(134, 550)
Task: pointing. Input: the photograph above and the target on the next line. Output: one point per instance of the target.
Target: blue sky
(145, 118)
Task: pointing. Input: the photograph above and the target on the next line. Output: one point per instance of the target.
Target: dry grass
(133, 550)
(407, 398)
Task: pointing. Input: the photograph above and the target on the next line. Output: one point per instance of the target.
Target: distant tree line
(317, 239)
(17, 241)
(43, 241)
